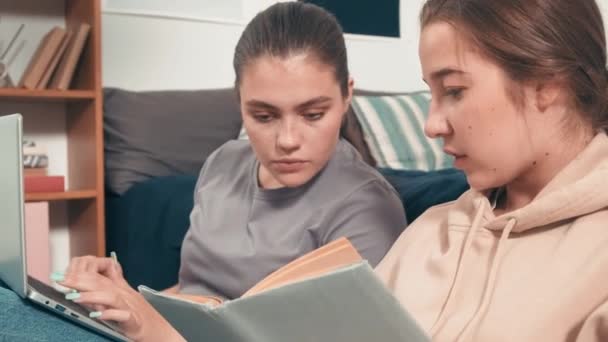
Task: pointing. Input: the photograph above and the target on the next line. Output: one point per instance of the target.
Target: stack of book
(35, 163)
(55, 60)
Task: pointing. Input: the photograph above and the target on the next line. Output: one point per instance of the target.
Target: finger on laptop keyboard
(60, 288)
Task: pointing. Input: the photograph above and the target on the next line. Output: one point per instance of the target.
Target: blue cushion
(420, 190)
(146, 227)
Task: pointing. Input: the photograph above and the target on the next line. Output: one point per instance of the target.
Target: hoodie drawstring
(459, 269)
(491, 281)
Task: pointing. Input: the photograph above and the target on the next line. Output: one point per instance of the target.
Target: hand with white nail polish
(101, 286)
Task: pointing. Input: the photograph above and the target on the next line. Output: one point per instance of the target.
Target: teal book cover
(347, 305)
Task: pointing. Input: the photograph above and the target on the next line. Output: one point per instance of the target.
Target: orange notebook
(46, 76)
(43, 183)
(325, 259)
(34, 171)
(42, 58)
(65, 71)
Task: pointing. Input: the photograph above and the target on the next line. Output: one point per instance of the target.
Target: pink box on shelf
(37, 240)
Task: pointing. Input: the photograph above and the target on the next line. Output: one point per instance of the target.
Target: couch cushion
(160, 133)
(393, 127)
(420, 190)
(146, 227)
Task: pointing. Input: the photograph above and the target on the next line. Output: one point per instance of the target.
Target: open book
(329, 294)
(327, 258)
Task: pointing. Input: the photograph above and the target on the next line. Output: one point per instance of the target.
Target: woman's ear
(547, 94)
(351, 87)
(349, 95)
(347, 102)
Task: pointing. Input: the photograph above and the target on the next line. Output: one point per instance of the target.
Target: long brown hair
(538, 40)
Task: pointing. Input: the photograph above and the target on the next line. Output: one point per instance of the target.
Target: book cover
(35, 171)
(65, 71)
(46, 76)
(43, 184)
(37, 240)
(42, 57)
(329, 294)
(346, 305)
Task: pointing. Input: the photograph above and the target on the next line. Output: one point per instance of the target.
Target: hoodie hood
(575, 191)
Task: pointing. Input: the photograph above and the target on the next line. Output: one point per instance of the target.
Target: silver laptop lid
(12, 241)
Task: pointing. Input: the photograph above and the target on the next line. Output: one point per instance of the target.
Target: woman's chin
(293, 180)
(479, 181)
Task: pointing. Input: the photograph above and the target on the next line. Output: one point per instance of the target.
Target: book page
(325, 259)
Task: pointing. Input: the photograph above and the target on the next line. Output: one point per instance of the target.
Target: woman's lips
(288, 165)
(458, 157)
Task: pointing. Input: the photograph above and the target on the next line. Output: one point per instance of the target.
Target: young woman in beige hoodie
(519, 98)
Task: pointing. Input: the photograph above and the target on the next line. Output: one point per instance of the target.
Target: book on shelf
(46, 76)
(31, 148)
(35, 171)
(37, 240)
(33, 184)
(329, 294)
(65, 71)
(35, 158)
(42, 57)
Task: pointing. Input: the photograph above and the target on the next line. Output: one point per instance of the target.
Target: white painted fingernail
(72, 296)
(114, 256)
(95, 314)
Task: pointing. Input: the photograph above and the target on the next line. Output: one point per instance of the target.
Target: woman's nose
(437, 125)
(287, 137)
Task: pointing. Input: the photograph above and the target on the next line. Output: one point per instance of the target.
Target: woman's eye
(263, 118)
(455, 93)
(313, 116)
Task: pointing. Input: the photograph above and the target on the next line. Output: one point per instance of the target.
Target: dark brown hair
(289, 28)
(538, 40)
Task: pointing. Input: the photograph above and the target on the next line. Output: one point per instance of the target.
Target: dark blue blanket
(147, 224)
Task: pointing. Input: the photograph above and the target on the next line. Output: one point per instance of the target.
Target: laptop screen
(12, 245)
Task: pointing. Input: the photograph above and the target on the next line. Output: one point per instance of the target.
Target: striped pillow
(393, 127)
(243, 134)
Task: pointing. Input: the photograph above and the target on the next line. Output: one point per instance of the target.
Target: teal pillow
(393, 127)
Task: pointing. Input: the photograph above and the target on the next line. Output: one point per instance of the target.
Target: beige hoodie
(539, 273)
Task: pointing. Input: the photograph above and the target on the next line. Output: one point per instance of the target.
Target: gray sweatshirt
(239, 233)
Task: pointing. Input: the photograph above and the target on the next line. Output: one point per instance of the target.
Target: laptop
(13, 269)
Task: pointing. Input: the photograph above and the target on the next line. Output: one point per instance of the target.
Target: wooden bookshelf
(81, 128)
(60, 196)
(45, 95)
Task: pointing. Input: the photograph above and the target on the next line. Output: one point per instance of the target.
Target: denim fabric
(21, 320)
